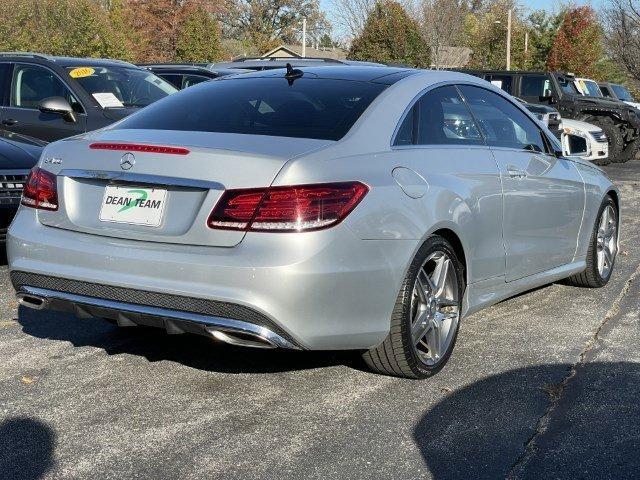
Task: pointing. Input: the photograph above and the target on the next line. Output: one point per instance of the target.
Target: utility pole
(509, 40)
(304, 37)
(526, 41)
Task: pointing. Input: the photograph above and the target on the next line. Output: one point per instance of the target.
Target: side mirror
(547, 96)
(59, 106)
(575, 145)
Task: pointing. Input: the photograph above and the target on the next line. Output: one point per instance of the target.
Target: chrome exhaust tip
(242, 339)
(32, 301)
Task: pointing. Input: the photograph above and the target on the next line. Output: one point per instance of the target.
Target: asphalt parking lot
(545, 385)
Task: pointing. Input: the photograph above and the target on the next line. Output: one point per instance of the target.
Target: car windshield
(589, 87)
(622, 93)
(119, 87)
(306, 108)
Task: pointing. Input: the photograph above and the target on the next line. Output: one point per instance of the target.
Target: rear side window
(307, 108)
(502, 123)
(501, 81)
(444, 119)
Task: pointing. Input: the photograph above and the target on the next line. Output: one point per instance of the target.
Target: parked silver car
(366, 208)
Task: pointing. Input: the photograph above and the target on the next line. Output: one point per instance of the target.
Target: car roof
(65, 61)
(375, 74)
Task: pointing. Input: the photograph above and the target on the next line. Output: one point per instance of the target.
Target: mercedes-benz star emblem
(127, 161)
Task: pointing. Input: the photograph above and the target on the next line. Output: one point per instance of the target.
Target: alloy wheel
(607, 241)
(435, 308)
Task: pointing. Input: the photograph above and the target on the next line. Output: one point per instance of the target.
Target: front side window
(535, 86)
(622, 93)
(31, 84)
(605, 91)
(502, 123)
(119, 87)
(444, 119)
(306, 108)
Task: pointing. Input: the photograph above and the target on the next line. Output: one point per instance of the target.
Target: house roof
(296, 51)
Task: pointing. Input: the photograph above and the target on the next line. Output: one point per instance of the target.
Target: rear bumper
(127, 314)
(317, 290)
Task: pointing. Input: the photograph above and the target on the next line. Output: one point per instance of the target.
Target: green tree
(390, 35)
(198, 38)
(267, 23)
(543, 27)
(485, 31)
(59, 27)
(577, 47)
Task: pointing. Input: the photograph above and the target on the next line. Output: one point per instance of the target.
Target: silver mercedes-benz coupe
(348, 207)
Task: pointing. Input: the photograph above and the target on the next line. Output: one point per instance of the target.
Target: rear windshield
(308, 108)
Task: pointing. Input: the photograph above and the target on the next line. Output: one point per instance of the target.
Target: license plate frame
(133, 205)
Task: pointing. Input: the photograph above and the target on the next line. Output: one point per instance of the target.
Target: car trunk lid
(157, 196)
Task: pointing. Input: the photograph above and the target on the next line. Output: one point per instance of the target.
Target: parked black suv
(56, 97)
(619, 121)
(18, 154)
(183, 75)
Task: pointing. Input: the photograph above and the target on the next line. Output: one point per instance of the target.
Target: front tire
(614, 137)
(426, 316)
(603, 248)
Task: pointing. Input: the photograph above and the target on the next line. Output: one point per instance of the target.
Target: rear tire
(614, 136)
(426, 316)
(604, 238)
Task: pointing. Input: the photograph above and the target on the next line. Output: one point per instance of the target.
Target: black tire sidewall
(432, 244)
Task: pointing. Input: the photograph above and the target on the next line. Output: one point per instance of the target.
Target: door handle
(9, 122)
(515, 172)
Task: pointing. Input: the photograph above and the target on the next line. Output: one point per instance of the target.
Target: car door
(30, 84)
(543, 195)
(449, 153)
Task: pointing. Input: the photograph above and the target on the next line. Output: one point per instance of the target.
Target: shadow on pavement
(191, 350)
(480, 431)
(26, 449)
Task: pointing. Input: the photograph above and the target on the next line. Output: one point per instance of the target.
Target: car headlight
(574, 131)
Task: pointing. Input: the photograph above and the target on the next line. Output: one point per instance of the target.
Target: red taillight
(136, 147)
(287, 209)
(40, 190)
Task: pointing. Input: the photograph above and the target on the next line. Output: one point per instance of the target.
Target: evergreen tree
(390, 35)
(198, 38)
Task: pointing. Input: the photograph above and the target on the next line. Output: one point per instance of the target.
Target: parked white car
(584, 137)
